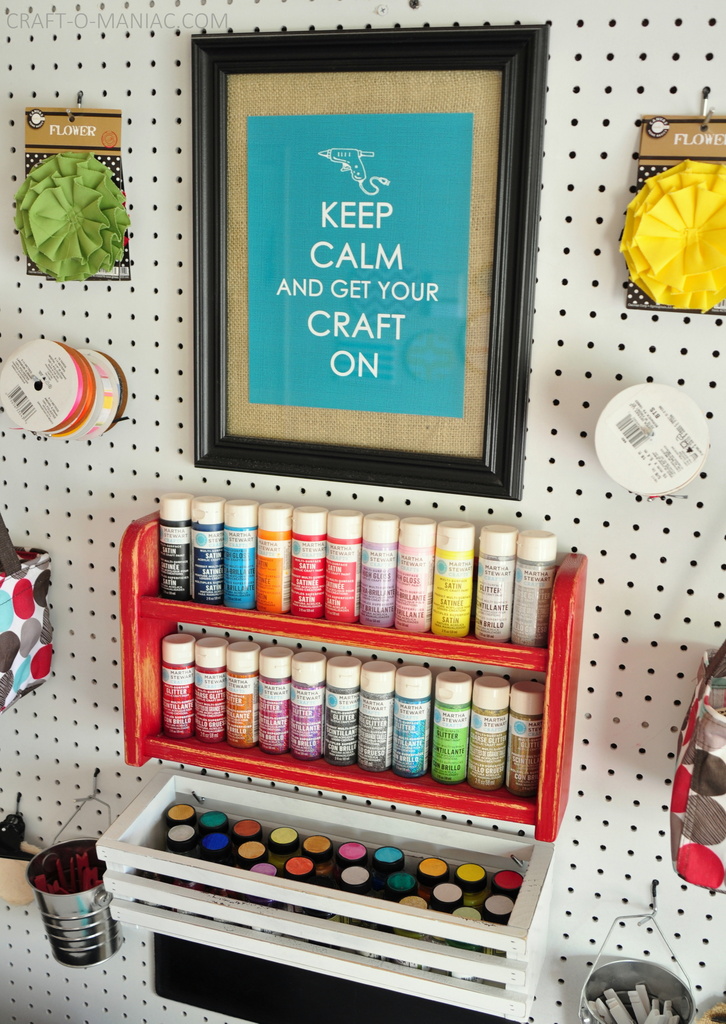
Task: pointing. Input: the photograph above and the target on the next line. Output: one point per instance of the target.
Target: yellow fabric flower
(674, 240)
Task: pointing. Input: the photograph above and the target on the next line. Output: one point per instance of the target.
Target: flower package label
(70, 211)
(674, 240)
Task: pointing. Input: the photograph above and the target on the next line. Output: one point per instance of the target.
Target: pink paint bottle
(210, 689)
(177, 685)
(274, 699)
(307, 702)
(342, 565)
(378, 569)
(415, 577)
(309, 535)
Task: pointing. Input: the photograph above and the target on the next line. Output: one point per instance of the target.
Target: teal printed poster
(358, 261)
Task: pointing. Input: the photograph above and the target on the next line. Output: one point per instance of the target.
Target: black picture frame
(519, 53)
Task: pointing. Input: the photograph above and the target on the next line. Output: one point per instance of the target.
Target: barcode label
(632, 431)
(21, 402)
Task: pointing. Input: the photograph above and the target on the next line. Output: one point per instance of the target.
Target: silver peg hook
(706, 112)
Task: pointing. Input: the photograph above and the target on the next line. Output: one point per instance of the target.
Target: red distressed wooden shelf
(146, 618)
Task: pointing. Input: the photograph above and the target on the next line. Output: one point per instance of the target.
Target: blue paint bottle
(207, 548)
(240, 552)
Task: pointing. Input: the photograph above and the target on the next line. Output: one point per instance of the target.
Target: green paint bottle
(452, 712)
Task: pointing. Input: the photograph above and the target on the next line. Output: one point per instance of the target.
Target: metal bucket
(79, 925)
(624, 975)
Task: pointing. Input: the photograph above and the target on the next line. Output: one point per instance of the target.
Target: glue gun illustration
(351, 160)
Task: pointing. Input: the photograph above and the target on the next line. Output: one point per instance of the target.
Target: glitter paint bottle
(488, 733)
(240, 552)
(210, 689)
(411, 721)
(533, 582)
(309, 545)
(274, 699)
(495, 582)
(342, 565)
(342, 697)
(526, 708)
(175, 546)
(242, 693)
(375, 717)
(453, 578)
(452, 711)
(274, 552)
(207, 549)
(177, 685)
(415, 574)
(307, 701)
(379, 556)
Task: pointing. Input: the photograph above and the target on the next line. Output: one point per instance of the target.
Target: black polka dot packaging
(25, 628)
(698, 800)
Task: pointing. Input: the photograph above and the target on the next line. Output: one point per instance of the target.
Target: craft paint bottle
(182, 839)
(533, 582)
(242, 693)
(446, 898)
(495, 582)
(375, 717)
(507, 883)
(213, 821)
(342, 697)
(175, 546)
(472, 880)
(177, 685)
(379, 555)
(240, 552)
(181, 814)
(468, 914)
(452, 711)
(247, 830)
(309, 545)
(210, 689)
(488, 732)
(274, 699)
(415, 574)
(320, 851)
(208, 549)
(526, 708)
(418, 904)
(268, 871)
(430, 872)
(299, 869)
(453, 578)
(307, 702)
(217, 847)
(250, 853)
(342, 565)
(399, 885)
(274, 552)
(349, 855)
(411, 721)
(386, 860)
(497, 909)
(282, 843)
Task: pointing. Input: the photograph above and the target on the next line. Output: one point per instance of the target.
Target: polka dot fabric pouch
(698, 801)
(25, 629)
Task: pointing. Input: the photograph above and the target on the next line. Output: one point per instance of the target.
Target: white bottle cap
(344, 672)
(417, 532)
(527, 697)
(310, 520)
(308, 667)
(453, 687)
(345, 524)
(208, 509)
(413, 682)
(378, 677)
(240, 512)
(275, 516)
(497, 539)
(491, 693)
(243, 656)
(455, 535)
(178, 649)
(211, 652)
(275, 662)
(176, 507)
(380, 528)
(537, 546)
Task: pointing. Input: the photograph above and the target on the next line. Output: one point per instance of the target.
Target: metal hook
(82, 801)
(79, 103)
(654, 903)
(706, 114)
(199, 799)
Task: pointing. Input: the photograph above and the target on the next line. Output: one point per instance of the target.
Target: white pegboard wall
(656, 579)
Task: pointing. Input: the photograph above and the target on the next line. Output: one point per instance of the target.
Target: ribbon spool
(652, 439)
(49, 388)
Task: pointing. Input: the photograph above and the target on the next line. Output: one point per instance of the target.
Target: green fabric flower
(71, 217)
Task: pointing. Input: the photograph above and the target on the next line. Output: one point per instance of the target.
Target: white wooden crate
(142, 876)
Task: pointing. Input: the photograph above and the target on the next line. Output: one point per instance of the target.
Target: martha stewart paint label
(450, 743)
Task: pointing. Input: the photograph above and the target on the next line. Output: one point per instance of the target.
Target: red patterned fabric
(25, 629)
